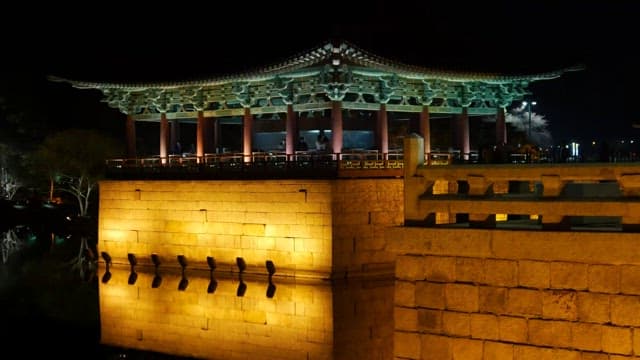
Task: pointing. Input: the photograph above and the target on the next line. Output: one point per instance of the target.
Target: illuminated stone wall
(362, 209)
(495, 294)
(296, 320)
(308, 228)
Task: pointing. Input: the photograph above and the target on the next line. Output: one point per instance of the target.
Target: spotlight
(132, 259)
(155, 259)
(133, 277)
(157, 281)
(213, 285)
(211, 262)
(106, 277)
(182, 260)
(242, 288)
(271, 290)
(106, 257)
(242, 265)
(184, 282)
(271, 268)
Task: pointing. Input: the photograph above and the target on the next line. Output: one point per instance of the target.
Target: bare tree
(74, 161)
(10, 242)
(9, 182)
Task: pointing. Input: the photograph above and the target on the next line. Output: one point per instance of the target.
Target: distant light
(621, 141)
(533, 103)
(631, 141)
(524, 103)
(336, 62)
(593, 142)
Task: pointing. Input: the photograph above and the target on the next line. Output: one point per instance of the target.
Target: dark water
(46, 306)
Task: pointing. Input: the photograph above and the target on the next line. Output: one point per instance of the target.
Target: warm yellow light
(501, 217)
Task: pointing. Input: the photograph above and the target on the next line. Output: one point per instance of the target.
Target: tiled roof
(319, 55)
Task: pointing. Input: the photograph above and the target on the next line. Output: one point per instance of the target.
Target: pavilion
(311, 92)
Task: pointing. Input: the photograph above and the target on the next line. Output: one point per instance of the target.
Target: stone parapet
(487, 294)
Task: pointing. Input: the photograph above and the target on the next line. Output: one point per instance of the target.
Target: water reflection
(236, 315)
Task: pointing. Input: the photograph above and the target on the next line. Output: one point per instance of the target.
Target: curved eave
(295, 67)
(369, 60)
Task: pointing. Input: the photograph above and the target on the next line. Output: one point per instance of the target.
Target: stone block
(513, 329)
(484, 326)
(492, 299)
(524, 302)
(617, 340)
(594, 356)
(404, 293)
(429, 320)
(497, 351)
(501, 272)
(561, 354)
(630, 184)
(406, 345)
(625, 310)
(456, 323)
(586, 336)
(478, 185)
(636, 341)
(405, 319)
(461, 297)
(466, 349)
(410, 267)
(533, 274)
(469, 270)
(550, 333)
(439, 268)
(564, 275)
(593, 307)
(552, 185)
(523, 352)
(604, 278)
(434, 347)
(630, 279)
(430, 295)
(558, 304)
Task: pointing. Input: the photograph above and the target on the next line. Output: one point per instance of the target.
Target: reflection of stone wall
(492, 294)
(302, 320)
(308, 228)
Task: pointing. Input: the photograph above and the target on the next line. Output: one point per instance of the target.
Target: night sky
(118, 43)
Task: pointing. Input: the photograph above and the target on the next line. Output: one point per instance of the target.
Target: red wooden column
(216, 135)
(208, 135)
(200, 136)
(247, 129)
(164, 126)
(336, 127)
(175, 133)
(383, 131)
(290, 126)
(463, 134)
(130, 131)
(425, 130)
(501, 127)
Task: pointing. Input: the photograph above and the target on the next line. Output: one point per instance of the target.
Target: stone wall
(308, 228)
(362, 209)
(495, 294)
